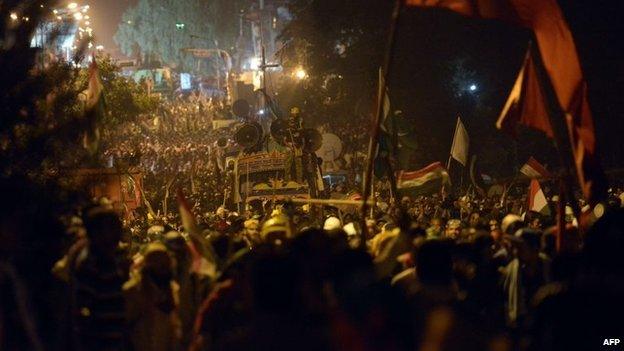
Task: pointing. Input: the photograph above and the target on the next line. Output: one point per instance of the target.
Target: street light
(13, 16)
(78, 16)
(473, 87)
(72, 5)
(254, 63)
(300, 74)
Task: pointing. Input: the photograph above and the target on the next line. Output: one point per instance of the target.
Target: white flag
(459, 149)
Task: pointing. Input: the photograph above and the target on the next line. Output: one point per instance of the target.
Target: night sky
(597, 26)
(106, 15)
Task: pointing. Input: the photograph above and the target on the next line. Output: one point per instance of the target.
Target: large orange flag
(527, 104)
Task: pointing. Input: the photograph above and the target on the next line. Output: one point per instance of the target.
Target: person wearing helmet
(276, 230)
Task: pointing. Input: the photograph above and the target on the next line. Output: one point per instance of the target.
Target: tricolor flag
(459, 149)
(558, 66)
(202, 253)
(534, 170)
(94, 109)
(426, 181)
(385, 146)
(537, 199)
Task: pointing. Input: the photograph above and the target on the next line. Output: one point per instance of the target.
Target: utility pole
(263, 66)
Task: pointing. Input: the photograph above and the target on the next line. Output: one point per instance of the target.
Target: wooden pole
(372, 146)
(332, 202)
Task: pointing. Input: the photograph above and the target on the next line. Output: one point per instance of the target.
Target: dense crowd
(179, 146)
(459, 273)
(439, 272)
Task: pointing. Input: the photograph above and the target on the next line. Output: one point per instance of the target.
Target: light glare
(300, 73)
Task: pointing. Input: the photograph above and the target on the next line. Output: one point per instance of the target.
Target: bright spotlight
(261, 112)
(72, 5)
(78, 16)
(473, 87)
(254, 63)
(300, 73)
(13, 16)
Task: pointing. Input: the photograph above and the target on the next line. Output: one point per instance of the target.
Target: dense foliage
(42, 103)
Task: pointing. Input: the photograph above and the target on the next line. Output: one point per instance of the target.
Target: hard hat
(350, 229)
(251, 224)
(276, 228)
(295, 111)
(508, 221)
(332, 223)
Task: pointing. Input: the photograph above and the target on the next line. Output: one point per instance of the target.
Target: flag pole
(372, 209)
(561, 225)
(372, 145)
(557, 118)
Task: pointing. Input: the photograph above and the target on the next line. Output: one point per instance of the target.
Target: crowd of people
(467, 273)
(183, 145)
(437, 272)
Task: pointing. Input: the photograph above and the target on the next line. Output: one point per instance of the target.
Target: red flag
(562, 66)
(525, 104)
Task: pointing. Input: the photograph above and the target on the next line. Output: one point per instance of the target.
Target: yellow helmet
(295, 111)
(276, 229)
(277, 212)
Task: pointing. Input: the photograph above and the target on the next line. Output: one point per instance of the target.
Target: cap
(276, 228)
(332, 223)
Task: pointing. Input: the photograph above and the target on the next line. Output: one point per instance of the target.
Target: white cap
(332, 223)
(350, 229)
(508, 220)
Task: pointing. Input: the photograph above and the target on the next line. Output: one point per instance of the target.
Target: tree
(39, 107)
(161, 29)
(125, 99)
(340, 44)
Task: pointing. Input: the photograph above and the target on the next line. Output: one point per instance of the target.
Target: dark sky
(106, 15)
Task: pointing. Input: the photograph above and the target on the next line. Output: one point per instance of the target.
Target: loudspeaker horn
(248, 135)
